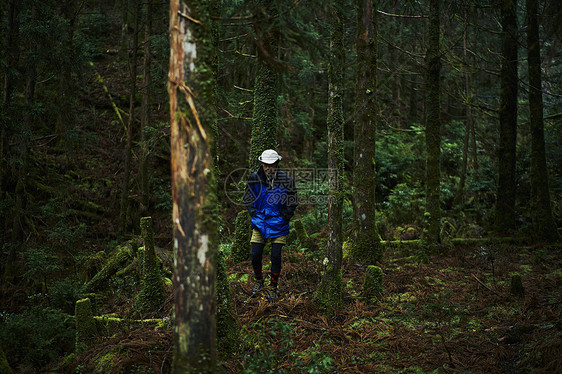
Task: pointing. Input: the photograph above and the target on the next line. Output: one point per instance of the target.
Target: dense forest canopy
(85, 150)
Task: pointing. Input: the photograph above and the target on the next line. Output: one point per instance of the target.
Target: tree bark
(366, 244)
(193, 117)
(330, 289)
(505, 204)
(468, 123)
(145, 112)
(125, 211)
(265, 112)
(433, 126)
(544, 226)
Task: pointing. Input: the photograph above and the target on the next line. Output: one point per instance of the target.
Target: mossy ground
(433, 317)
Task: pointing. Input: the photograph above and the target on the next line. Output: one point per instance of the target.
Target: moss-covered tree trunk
(541, 211)
(505, 204)
(433, 126)
(191, 87)
(366, 244)
(265, 118)
(265, 112)
(330, 290)
(151, 296)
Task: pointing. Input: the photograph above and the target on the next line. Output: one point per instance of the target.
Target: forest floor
(450, 312)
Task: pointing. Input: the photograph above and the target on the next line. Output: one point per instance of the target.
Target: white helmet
(269, 156)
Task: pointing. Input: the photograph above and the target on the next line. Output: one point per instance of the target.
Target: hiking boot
(272, 294)
(258, 286)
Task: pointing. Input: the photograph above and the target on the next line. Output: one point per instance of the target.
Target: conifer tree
(330, 290)
(433, 125)
(541, 211)
(265, 115)
(366, 244)
(505, 205)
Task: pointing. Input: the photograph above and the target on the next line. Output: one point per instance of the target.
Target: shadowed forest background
(464, 245)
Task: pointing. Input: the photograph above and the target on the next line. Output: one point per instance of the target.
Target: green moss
(304, 239)
(114, 264)
(85, 325)
(227, 328)
(104, 362)
(516, 286)
(241, 246)
(329, 294)
(372, 284)
(108, 324)
(367, 248)
(266, 113)
(152, 296)
(346, 248)
(66, 365)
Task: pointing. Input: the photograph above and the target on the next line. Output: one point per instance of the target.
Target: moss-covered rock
(241, 247)
(372, 285)
(86, 331)
(516, 285)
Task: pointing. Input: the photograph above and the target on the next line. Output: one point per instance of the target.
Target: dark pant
(257, 255)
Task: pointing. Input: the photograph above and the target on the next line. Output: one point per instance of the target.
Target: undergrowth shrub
(36, 337)
(273, 347)
(64, 293)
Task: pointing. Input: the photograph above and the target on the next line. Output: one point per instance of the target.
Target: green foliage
(162, 192)
(398, 160)
(89, 36)
(276, 348)
(40, 263)
(405, 204)
(64, 293)
(36, 337)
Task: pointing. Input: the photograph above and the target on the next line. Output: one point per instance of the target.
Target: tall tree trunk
(66, 95)
(193, 117)
(265, 112)
(9, 71)
(266, 115)
(125, 206)
(330, 290)
(505, 204)
(459, 197)
(544, 226)
(433, 126)
(145, 112)
(366, 244)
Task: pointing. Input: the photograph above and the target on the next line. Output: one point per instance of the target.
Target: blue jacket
(271, 203)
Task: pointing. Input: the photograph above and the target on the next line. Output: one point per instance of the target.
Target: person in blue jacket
(271, 199)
